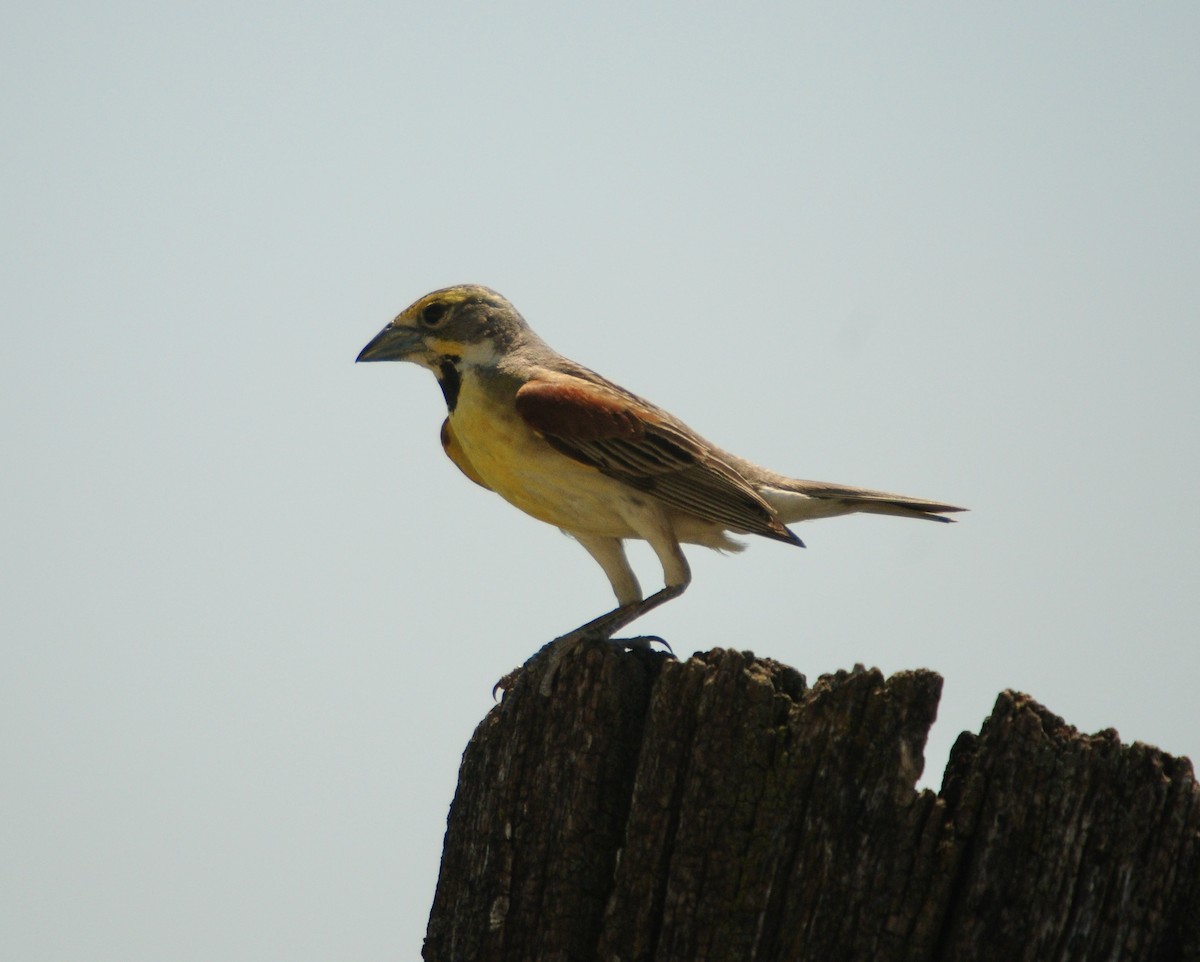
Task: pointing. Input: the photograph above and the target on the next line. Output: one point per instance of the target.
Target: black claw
(643, 642)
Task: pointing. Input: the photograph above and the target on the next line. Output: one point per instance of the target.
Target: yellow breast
(520, 466)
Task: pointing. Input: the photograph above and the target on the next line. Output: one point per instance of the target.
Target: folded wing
(634, 442)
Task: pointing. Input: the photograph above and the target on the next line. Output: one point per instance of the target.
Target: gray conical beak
(391, 344)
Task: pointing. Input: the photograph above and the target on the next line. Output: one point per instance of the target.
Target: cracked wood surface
(721, 809)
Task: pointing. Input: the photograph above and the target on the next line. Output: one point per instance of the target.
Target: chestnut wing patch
(577, 410)
(635, 444)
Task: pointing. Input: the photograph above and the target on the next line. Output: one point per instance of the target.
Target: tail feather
(796, 500)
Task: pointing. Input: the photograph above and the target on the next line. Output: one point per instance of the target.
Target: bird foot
(642, 643)
(561, 648)
(506, 683)
(602, 629)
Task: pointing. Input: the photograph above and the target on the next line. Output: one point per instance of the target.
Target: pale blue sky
(250, 615)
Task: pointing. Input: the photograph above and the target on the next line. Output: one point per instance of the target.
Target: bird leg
(603, 629)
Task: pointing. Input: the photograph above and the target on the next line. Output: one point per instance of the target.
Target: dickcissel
(581, 453)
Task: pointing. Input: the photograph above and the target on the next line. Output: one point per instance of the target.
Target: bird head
(464, 324)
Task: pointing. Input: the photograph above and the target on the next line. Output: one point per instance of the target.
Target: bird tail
(797, 500)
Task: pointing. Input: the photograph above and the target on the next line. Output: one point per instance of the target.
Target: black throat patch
(450, 381)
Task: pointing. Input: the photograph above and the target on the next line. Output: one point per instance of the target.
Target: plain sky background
(250, 615)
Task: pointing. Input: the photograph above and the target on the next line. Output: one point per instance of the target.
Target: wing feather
(634, 442)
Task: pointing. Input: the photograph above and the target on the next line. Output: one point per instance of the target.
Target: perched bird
(583, 454)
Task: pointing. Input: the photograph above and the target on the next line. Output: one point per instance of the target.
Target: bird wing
(456, 454)
(634, 442)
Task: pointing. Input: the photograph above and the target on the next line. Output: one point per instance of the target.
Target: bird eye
(433, 313)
